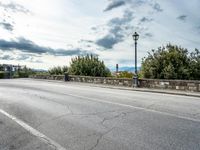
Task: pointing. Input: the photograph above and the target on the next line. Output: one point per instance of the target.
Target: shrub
(58, 70)
(125, 74)
(4, 75)
(89, 65)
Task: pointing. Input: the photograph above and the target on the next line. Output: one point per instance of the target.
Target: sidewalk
(162, 91)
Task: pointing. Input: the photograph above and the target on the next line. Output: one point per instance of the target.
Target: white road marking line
(34, 131)
(135, 107)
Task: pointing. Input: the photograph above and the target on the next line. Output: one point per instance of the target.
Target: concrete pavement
(82, 117)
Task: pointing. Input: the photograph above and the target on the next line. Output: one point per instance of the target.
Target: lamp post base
(135, 81)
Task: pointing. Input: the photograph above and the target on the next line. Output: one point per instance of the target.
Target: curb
(148, 90)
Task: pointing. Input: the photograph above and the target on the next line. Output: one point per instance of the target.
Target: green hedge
(4, 75)
(23, 74)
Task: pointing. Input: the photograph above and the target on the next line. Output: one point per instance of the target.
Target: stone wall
(143, 83)
(86, 79)
(186, 85)
(49, 77)
(102, 80)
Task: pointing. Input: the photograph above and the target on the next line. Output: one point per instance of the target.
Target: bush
(23, 74)
(88, 65)
(58, 70)
(4, 75)
(125, 74)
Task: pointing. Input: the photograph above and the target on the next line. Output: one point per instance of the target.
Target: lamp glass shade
(135, 36)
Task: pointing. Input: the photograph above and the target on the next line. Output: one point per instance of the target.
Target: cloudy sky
(47, 33)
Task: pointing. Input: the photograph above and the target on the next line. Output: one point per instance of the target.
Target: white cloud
(60, 23)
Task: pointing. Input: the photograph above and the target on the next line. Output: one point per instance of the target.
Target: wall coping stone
(170, 80)
(110, 78)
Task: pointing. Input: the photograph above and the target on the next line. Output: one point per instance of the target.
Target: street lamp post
(135, 78)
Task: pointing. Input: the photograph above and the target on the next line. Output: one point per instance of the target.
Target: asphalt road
(52, 115)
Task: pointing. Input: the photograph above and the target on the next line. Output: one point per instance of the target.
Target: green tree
(170, 62)
(195, 65)
(88, 65)
(1, 68)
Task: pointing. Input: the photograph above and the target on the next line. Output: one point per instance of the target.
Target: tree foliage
(195, 65)
(58, 70)
(171, 62)
(23, 72)
(88, 65)
(1, 68)
(20, 72)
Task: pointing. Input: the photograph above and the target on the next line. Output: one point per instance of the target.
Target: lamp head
(135, 36)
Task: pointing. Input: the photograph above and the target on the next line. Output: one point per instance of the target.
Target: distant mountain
(126, 68)
(39, 70)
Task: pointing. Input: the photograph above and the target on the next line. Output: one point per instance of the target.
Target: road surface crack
(52, 119)
(70, 110)
(111, 118)
(196, 114)
(100, 138)
(96, 113)
(151, 105)
(122, 115)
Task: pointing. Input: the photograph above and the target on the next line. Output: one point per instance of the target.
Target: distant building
(117, 68)
(10, 69)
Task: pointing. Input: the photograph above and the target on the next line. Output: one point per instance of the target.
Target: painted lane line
(134, 107)
(34, 131)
